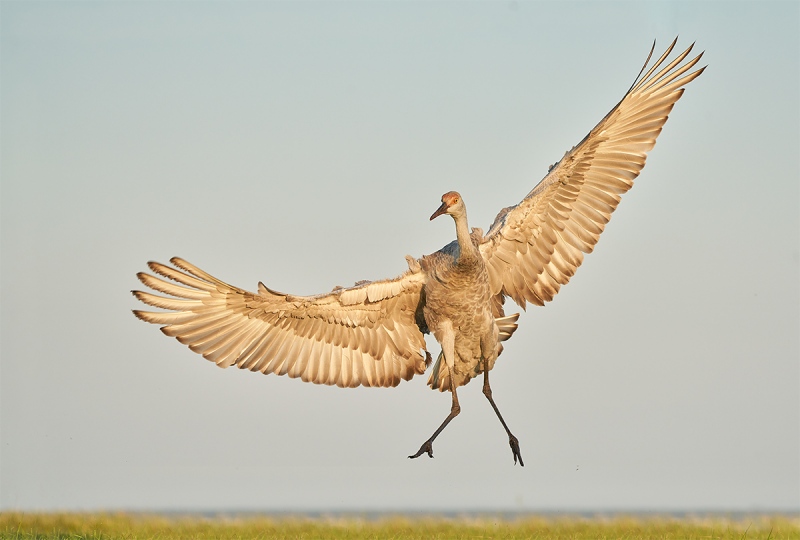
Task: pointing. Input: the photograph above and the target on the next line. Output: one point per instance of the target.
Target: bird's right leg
(455, 408)
(448, 348)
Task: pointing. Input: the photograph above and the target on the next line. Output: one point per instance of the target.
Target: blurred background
(305, 145)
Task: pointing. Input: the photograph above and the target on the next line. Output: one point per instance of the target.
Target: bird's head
(452, 204)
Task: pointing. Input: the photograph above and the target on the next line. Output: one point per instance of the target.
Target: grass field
(108, 526)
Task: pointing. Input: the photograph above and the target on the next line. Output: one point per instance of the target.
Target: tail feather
(440, 377)
(507, 326)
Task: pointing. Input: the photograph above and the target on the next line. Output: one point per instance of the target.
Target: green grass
(107, 526)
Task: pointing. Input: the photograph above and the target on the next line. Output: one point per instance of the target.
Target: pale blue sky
(305, 145)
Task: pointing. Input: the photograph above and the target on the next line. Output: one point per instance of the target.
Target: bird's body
(458, 305)
(371, 334)
(457, 302)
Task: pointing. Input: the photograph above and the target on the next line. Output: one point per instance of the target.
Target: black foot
(427, 447)
(515, 449)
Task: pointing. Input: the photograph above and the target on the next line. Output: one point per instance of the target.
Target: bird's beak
(442, 210)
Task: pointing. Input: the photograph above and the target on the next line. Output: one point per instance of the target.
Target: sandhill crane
(371, 334)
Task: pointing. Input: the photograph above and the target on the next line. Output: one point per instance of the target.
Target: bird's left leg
(512, 441)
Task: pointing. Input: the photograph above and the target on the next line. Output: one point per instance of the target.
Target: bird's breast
(458, 293)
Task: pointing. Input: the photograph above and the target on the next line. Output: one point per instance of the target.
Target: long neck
(468, 250)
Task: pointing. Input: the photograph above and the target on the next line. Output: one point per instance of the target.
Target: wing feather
(535, 247)
(365, 335)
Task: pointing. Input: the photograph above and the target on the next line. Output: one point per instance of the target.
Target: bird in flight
(371, 334)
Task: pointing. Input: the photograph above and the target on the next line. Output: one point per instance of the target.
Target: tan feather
(275, 333)
(583, 189)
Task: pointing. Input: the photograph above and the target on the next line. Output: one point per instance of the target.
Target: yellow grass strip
(19, 525)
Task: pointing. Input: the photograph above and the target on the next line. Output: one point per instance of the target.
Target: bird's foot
(515, 450)
(427, 447)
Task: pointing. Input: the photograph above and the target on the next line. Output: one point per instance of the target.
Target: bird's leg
(449, 351)
(512, 441)
(455, 408)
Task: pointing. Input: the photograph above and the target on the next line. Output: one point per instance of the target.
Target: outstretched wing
(365, 335)
(534, 248)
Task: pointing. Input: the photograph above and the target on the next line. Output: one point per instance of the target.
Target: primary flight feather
(371, 334)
